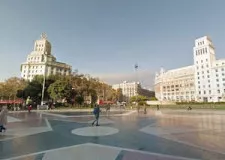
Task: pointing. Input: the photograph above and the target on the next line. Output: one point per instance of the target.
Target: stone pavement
(126, 135)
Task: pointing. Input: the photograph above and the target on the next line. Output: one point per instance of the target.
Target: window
(216, 69)
(205, 50)
(202, 72)
(223, 79)
(207, 65)
(202, 61)
(209, 81)
(204, 92)
(218, 85)
(217, 75)
(209, 91)
(209, 86)
(222, 69)
(217, 80)
(208, 76)
(218, 91)
(198, 82)
(197, 62)
(198, 77)
(207, 71)
(199, 92)
(203, 77)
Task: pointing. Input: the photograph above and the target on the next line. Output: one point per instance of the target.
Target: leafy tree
(153, 99)
(79, 99)
(60, 90)
(34, 90)
(119, 95)
(138, 98)
(8, 89)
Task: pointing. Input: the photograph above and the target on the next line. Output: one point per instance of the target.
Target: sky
(106, 38)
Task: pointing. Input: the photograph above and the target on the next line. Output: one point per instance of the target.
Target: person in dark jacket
(96, 112)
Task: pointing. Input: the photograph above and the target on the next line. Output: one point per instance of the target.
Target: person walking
(157, 107)
(29, 108)
(145, 109)
(29, 104)
(3, 118)
(96, 112)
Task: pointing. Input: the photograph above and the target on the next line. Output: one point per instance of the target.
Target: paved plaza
(122, 135)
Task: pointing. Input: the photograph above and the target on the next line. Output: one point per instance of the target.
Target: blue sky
(105, 38)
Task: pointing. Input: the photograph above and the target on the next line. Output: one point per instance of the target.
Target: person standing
(96, 112)
(3, 118)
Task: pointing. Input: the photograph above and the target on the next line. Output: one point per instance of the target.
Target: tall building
(41, 61)
(129, 89)
(203, 82)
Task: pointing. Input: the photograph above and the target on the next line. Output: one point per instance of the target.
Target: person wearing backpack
(96, 112)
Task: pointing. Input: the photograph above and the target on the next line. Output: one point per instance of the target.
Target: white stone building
(175, 85)
(41, 62)
(202, 82)
(129, 89)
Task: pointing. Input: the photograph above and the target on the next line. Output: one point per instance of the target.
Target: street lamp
(136, 71)
(43, 89)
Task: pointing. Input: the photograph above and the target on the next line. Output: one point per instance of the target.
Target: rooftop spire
(43, 36)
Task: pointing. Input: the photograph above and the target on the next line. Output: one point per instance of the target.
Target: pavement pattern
(122, 135)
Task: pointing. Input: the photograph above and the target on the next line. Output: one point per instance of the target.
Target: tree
(153, 99)
(34, 90)
(8, 89)
(79, 99)
(60, 90)
(119, 95)
(138, 98)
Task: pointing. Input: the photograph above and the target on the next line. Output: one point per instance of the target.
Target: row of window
(40, 45)
(222, 69)
(201, 51)
(218, 64)
(200, 43)
(204, 92)
(207, 66)
(217, 75)
(202, 61)
(34, 58)
(39, 49)
(179, 93)
(218, 85)
(33, 67)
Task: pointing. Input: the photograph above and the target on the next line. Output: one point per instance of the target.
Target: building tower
(204, 58)
(41, 62)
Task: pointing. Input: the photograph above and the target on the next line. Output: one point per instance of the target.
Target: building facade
(175, 85)
(129, 89)
(203, 82)
(41, 61)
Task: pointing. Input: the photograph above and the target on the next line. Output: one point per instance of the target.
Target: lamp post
(43, 89)
(136, 71)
